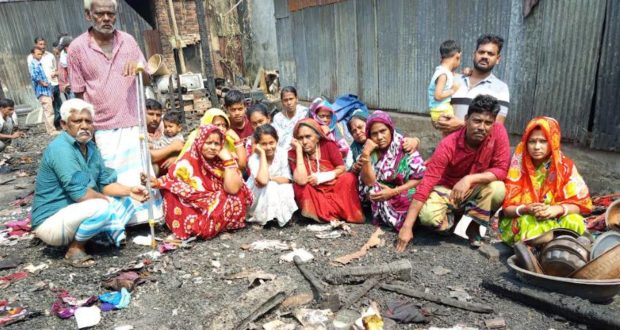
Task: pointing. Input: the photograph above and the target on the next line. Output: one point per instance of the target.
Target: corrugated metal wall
(386, 50)
(606, 130)
(21, 22)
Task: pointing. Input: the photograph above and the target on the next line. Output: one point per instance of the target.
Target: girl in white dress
(270, 179)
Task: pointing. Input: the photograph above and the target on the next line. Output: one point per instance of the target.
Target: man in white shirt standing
(50, 67)
(481, 81)
(291, 113)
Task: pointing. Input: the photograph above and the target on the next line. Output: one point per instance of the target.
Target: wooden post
(180, 98)
(205, 48)
(175, 29)
(407, 291)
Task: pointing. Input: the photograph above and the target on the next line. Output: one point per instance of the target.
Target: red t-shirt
(246, 131)
(453, 159)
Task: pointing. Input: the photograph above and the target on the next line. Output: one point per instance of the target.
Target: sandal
(80, 260)
(444, 228)
(473, 232)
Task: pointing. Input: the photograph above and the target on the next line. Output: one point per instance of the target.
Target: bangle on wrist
(518, 210)
(565, 208)
(230, 163)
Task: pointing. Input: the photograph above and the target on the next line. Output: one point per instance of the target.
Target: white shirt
(13, 118)
(284, 126)
(278, 168)
(48, 62)
(491, 85)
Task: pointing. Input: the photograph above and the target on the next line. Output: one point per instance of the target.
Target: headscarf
(380, 117)
(356, 147)
(194, 170)
(321, 104)
(311, 123)
(207, 119)
(562, 185)
(388, 166)
(336, 134)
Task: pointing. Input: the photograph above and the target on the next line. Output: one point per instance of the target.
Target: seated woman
(233, 143)
(321, 111)
(543, 188)
(204, 193)
(323, 190)
(270, 179)
(357, 128)
(258, 114)
(389, 175)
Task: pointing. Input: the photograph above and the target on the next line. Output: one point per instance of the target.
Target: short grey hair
(88, 3)
(75, 105)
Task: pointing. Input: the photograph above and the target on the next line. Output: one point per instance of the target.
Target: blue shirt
(65, 174)
(37, 74)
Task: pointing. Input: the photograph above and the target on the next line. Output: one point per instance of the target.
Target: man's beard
(483, 70)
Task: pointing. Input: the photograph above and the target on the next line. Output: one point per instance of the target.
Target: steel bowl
(596, 291)
(605, 242)
(570, 244)
(559, 262)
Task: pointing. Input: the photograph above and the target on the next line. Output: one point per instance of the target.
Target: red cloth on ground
(334, 200)
(453, 159)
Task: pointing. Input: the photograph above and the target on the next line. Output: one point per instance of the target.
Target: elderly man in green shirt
(76, 196)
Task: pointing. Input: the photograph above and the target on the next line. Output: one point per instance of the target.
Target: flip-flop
(80, 260)
(446, 231)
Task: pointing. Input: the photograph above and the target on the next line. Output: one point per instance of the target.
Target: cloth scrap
(120, 299)
(65, 305)
(405, 312)
(127, 280)
(10, 313)
(6, 280)
(19, 227)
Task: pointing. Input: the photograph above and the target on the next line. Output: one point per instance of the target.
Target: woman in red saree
(323, 190)
(204, 193)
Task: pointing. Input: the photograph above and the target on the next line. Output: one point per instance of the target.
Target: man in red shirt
(465, 173)
(239, 122)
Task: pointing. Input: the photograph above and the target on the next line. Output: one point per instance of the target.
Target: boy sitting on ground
(8, 123)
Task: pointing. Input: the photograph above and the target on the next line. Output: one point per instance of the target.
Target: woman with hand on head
(270, 179)
(543, 188)
(324, 191)
(388, 175)
(204, 193)
(357, 128)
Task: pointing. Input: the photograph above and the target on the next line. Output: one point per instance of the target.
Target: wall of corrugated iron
(385, 52)
(606, 129)
(21, 22)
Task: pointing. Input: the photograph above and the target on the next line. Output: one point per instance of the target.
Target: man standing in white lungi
(102, 68)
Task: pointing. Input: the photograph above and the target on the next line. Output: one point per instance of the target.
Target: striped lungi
(120, 149)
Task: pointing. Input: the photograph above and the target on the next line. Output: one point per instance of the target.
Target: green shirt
(65, 174)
